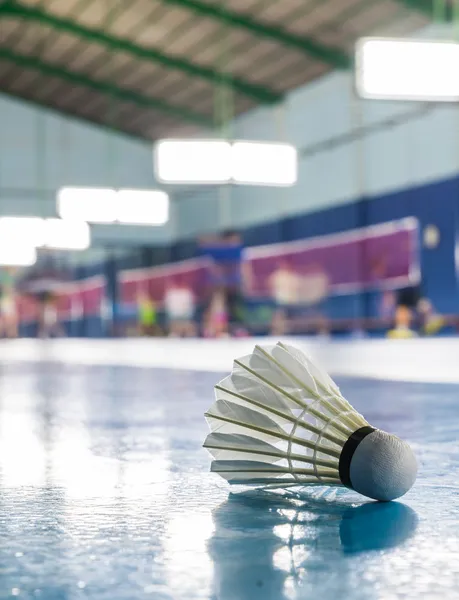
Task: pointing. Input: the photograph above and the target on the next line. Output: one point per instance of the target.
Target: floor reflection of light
(292, 557)
(290, 588)
(81, 473)
(404, 572)
(282, 559)
(152, 471)
(22, 455)
(284, 532)
(188, 565)
(288, 558)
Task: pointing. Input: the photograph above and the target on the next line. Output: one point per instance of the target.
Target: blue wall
(348, 150)
(41, 151)
(432, 204)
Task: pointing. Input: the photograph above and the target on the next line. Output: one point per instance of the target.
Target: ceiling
(153, 68)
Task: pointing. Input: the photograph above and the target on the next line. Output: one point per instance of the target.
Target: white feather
(322, 378)
(244, 447)
(253, 472)
(279, 419)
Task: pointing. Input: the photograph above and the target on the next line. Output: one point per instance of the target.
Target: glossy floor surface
(105, 493)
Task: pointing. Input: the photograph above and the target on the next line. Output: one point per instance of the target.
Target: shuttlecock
(280, 420)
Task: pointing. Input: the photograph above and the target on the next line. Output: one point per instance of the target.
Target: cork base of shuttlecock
(383, 467)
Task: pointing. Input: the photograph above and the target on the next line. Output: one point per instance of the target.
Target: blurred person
(323, 328)
(106, 313)
(42, 282)
(405, 312)
(314, 291)
(387, 305)
(147, 315)
(237, 279)
(179, 304)
(9, 320)
(402, 329)
(76, 311)
(48, 321)
(279, 323)
(430, 322)
(230, 274)
(284, 286)
(216, 319)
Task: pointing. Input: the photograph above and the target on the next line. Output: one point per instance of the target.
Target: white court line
(421, 360)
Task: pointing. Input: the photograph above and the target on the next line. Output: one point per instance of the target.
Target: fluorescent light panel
(95, 205)
(142, 207)
(193, 161)
(34, 232)
(106, 205)
(17, 255)
(67, 235)
(402, 69)
(22, 230)
(257, 163)
(220, 161)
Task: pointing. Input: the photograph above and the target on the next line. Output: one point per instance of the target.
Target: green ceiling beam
(326, 54)
(72, 115)
(107, 89)
(258, 93)
(434, 9)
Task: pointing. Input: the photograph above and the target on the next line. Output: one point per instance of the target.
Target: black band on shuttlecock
(348, 452)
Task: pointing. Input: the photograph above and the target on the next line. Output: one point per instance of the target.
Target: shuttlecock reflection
(269, 546)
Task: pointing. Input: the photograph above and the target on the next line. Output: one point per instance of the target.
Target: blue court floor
(105, 493)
